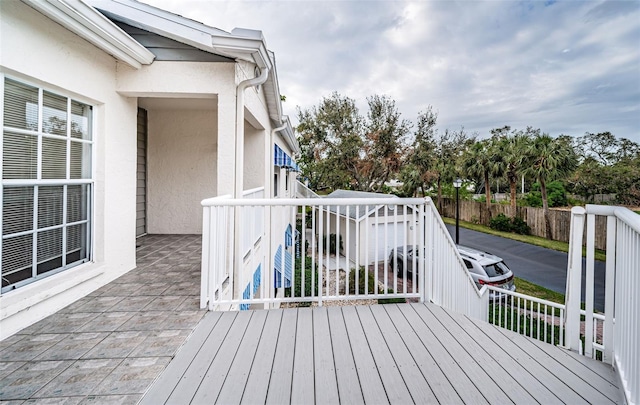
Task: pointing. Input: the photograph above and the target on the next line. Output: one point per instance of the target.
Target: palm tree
(548, 158)
(478, 161)
(512, 151)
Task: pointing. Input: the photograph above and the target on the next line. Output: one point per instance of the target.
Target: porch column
(226, 144)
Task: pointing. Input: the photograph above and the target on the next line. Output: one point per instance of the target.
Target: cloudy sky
(566, 67)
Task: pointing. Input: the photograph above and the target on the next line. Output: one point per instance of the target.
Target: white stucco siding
(209, 80)
(38, 51)
(254, 157)
(181, 168)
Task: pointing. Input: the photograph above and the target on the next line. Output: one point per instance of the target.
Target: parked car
(484, 268)
(487, 269)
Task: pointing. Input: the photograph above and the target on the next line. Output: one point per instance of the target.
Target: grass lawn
(534, 290)
(533, 240)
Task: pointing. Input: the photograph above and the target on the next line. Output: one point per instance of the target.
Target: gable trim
(89, 24)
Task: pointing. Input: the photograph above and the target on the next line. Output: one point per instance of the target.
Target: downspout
(239, 168)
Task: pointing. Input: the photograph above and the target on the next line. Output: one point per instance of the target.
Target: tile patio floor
(109, 346)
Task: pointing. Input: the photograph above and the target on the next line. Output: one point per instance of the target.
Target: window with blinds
(47, 183)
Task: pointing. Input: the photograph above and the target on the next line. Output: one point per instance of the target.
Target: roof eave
(85, 21)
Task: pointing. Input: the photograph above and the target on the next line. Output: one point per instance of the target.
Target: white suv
(487, 269)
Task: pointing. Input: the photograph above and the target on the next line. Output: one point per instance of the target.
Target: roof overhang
(88, 23)
(240, 44)
(289, 136)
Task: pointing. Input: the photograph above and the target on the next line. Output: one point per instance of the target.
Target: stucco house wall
(38, 51)
(181, 168)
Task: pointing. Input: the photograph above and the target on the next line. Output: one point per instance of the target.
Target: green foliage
(504, 224)
(500, 223)
(506, 317)
(367, 279)
(343, 150)
(519, 226)
(311, 285)
(557, 195)
(608, 165)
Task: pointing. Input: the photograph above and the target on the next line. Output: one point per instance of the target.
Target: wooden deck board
(349, 391)
(438, 381)
(370, 382)
(166, 383)
(394, 383)
(326, 384)
(258, 380)
(189, 382)
(460, 382)
(564, 373)
(420, 388)
(493, 353)
(399, 353)
(235, 381)
(279, 391)
(211, 384)
(302, 384)
(468, 354)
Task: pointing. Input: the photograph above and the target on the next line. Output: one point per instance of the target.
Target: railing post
(574, 280)
(206, 248)
(588, 324)
(609, 308)
(425, 231)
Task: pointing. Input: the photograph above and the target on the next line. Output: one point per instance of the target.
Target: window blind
(46, 183)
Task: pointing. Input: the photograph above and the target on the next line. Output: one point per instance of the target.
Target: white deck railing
(530, 316)
(271, 271)
(621, 330)
(302, 191)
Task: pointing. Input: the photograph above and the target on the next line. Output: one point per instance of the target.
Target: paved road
(538, 265)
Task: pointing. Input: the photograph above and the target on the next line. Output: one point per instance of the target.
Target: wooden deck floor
(400, 354)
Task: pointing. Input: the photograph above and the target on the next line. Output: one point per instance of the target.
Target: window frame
(35, 183)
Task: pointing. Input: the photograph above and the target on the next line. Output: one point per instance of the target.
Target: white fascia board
(241, 44)
(154, 20)
(289, 136)
(88, 23)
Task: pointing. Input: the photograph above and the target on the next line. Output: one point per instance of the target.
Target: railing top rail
(311, 201)
(629, 217)
(526, 297)
(253, 190)
(215, 200)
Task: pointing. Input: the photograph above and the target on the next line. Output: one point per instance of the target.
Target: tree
(330, 142)
(449, 148)
(341, 149)
(383, 143)
(607, 165)
(549, 158)
(478, 161)
(511, 148)
(419, 172)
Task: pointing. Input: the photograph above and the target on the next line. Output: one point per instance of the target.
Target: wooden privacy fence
(476, 212)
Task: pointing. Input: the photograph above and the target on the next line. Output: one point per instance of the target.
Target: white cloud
(564, 67)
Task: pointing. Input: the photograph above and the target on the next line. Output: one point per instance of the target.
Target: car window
(496, 269)
(471, 268)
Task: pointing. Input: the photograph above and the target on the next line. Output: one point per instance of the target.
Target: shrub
(308, 275)
(501, 223)
(556, 195)
(372, 286)
(520, 226)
